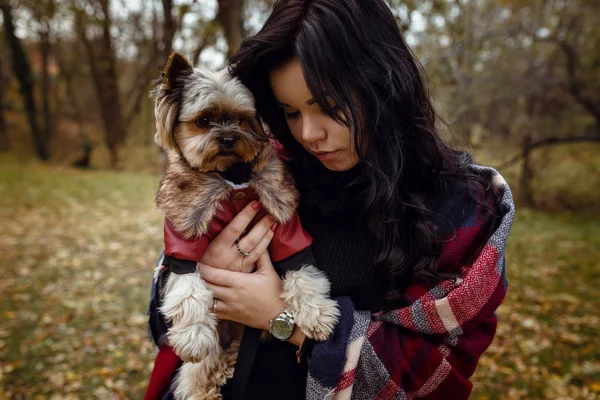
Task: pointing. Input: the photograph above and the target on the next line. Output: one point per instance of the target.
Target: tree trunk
(114, 156)
(104, 75)
(527, 174)
(47, 112)
(169, 29)
(22, 71)
(66, 74)
(76, 112)
(4, 142)
(231, 19)
(112, 111)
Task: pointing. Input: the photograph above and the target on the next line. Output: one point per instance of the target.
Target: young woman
(409, 232)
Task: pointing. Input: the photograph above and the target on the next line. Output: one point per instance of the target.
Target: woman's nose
(313, 130)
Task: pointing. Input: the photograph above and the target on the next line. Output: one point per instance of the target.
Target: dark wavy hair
(353, 52)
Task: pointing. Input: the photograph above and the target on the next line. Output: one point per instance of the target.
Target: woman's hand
(222, 251)
(250, 299)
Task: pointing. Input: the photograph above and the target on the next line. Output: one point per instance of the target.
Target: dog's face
(208, 116)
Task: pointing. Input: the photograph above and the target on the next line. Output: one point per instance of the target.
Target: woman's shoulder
(481, 197)
(474, 216)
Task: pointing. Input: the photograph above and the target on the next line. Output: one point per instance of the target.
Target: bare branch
(208, 39)
(157, 57)
(550, 142)
(574, 88)
(589, 104)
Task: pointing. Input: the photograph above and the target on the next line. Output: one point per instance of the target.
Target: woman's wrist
(297, 337)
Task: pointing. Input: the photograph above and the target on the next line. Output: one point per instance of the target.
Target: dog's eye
(203, 122)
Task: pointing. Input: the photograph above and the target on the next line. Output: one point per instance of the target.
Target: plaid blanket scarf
(430, 348)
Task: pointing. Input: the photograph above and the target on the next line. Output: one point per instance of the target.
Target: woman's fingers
(219, 292)
(238, 224)
(257, 240)
(222, 311)
(264, 264)
(260, 249)
(246, 265)
(218, 276)
(222, 250)
(250, 299)
(223, 298)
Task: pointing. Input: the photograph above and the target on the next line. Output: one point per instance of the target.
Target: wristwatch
(282, 326)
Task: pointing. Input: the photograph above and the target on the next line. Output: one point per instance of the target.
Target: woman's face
(318, 133)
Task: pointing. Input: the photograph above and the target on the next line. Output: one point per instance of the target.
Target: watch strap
(288, 315)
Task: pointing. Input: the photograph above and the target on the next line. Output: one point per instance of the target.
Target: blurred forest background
(517, 82)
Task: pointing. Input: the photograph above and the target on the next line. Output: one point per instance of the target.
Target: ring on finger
(242, 252)
(214, 309)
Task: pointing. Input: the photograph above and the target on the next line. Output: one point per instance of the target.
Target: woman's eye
(335, 109)
(203, 122)
(292, 115)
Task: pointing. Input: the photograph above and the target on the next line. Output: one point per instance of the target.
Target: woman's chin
(338, 166)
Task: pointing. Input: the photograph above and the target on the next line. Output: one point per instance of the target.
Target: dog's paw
(193, 331)
(193, 382)
(306, 293)
(318, 326)
(194, 343)
(203, 380)
(226, 365)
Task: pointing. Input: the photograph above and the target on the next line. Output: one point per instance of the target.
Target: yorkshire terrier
(218, 159)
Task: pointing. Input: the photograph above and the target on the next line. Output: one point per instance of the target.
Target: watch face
(281, 328)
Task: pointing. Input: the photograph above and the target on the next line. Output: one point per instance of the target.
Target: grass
(546, 344)
(79, 249)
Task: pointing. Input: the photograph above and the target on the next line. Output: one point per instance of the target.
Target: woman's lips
(325, 155)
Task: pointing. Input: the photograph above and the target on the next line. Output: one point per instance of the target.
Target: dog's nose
(227, 142)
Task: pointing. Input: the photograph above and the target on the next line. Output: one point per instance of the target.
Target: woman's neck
(343, 177)
(333, 192)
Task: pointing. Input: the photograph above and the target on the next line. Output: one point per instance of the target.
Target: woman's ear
(167, 96)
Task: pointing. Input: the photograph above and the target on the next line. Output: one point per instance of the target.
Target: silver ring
(215, 305)
(242, 252)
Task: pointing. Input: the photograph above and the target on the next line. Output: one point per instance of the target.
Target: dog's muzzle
(227, 142)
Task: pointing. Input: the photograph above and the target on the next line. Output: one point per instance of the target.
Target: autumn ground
(78, 250)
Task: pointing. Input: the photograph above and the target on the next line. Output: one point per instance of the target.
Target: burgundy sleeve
(184, 249)
(290, 238)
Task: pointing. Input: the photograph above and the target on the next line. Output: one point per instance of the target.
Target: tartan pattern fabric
(428, 349)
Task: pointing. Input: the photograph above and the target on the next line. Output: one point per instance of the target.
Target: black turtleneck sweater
(345, 251)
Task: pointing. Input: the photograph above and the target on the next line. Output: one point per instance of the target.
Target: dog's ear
(178, 68)
(256, 129)
(167, 99)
